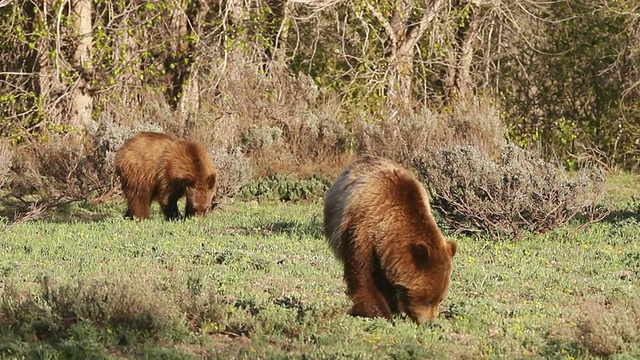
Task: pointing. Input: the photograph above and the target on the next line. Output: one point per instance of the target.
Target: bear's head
(420, 297)
(200, 194)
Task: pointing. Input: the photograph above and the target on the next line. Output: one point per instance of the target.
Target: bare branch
(36, 211)
(388, 28)
(317, 5)
(428, 16)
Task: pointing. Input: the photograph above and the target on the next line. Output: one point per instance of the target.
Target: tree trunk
(40, 63)
(280, 43)
(401, 77)
(458, 83)
(185, 86)
(82, 101)
(126, 55)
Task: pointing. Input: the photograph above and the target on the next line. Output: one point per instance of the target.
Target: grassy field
(258, 281)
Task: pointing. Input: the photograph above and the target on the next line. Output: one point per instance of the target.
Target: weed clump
(516, 192)
(54, 309)
(606, 331)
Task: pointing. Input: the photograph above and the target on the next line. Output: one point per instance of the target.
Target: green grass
(258, 281)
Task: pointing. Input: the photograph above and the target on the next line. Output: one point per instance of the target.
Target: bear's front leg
(138, 204)
(189, 209)
(169, 205)
(368, 300)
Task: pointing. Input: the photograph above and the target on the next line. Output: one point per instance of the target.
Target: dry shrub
(315, 139)
(514, 193)
(477, 123)
(6, 161)
(31, 212)
(144, 108)
(402, 139)
(106, 302)
(145, 305)
(286, 125)
(57, 169)
(283, 123)
(394, 140)
(608, 330)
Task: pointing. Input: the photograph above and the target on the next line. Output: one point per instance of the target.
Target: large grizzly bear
(165, 168)
(379, 225)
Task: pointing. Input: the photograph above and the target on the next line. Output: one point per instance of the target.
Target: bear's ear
(452, 247)
(420, 254)
(211, 181)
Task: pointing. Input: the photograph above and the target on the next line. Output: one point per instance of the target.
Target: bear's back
(339, 196)
(382, 201)
(138, 156)
(391, 200)
(186, 159)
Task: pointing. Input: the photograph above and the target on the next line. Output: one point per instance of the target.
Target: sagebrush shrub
(234, 171)
(415, 133)
(296, 143)
(54, 307)
(285, 188)
(509, 195)
(56, 169)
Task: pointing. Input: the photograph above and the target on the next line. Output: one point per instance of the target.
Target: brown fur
(165, 168)
(379, 225)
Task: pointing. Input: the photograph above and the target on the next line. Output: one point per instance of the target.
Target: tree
(404, 22)
(182, 61)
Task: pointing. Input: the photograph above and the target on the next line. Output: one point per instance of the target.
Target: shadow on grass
(613, 214)
(292, 228)
(617, 216)
(17, 210)
(624, 212)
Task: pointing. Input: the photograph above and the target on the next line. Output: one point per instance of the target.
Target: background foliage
(565, 73)
(284, 94)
